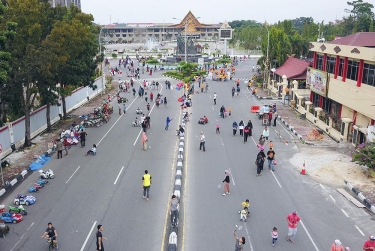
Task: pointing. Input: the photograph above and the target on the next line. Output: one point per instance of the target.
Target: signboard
(317, 80)
(225, 33)
(201, 61)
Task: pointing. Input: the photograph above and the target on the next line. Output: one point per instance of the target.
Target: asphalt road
(210, 217)
(106, 188)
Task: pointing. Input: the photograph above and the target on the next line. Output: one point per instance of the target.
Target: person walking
(261, 142)
(215, 96)
(66, 146)
(174, 210)
(222, 111)
(271, 159)
(245, 134)
(144, 141)
(259, 162)
(202, 141)
(100, 238)
(275, 115)
(240, 242)
(119, 107)
(217, 127)
(269, 118)
(124, 108)
(226, 182)
(274, 235)
(82, 137)
(293, 220)
(59, 148)
(241, 126)
(146, 183)
(337, 246)
(250, 125)
(148, 120)
(266, 133)
(234, 127)
(168, 120)
(369, 244)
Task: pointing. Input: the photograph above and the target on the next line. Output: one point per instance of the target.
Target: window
(156, 30)
(331, 62)
(130, 30)
(369, 74)
(124, 30)
(352, 70)
(117, 30)
(326, 105)
(319, 62)
(341, 67)
(315, 99)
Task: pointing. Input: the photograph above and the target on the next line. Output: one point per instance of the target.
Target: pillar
(317, 112)
(308, 105)
(294, 89)
(345, 70)
(284, 84)
(11, 135)
(344, 130)
(360, 73)
(314, 60)
(324, 64)
(337, 66)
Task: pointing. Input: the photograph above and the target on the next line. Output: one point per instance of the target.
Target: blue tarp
(41, 161)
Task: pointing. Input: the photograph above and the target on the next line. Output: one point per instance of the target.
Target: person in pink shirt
(370, 244)
(293, 220)
(337, 246)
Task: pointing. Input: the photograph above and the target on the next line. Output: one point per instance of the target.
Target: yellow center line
(185, 173)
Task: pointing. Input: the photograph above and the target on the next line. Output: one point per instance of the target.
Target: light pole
(101, 61)
(186, 24)
(268, 47)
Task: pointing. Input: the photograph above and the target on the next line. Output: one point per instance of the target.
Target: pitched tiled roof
(293, 68)
(366, 39)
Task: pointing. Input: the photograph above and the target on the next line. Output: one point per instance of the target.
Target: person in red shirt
(370, 244)
(293, 220)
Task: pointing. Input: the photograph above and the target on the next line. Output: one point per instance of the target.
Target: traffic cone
(303, 169)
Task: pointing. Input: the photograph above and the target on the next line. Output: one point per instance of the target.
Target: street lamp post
(268, 46)
(101, 61)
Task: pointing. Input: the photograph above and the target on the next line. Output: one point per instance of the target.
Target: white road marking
(30, 226)
(72, 174)
(18, 242)
(276, 179)
(231, 174)
(359, 230)
(139, 134)
(345, 213)
(332, 198)
(308, 234)
(118, 176)
(88, 236)
(248, 237)
(213, 108)
(322, 186)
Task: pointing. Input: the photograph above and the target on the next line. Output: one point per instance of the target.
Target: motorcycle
(46, 175)
(17, 210)
(33, 190)
(136, 124)
(37, 186)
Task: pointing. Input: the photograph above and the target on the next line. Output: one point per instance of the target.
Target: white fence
(38, 118)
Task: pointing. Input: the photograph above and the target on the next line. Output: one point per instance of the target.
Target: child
(244, 213)
(93, 150)
(229, 111)
(274, 235)
(246, 204)
(271, 144)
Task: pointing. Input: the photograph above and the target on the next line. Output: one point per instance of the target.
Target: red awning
(293, 68)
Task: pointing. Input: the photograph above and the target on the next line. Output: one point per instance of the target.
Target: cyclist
(51, 233)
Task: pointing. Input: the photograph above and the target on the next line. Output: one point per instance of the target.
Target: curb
(360, 196)
(291, 128)
(12, 184)
(270, 98)
(172, 240)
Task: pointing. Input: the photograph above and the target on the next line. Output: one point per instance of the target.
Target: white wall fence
(14, 132)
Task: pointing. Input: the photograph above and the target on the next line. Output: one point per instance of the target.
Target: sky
(209, 11)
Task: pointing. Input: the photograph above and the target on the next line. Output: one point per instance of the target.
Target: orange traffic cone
(303, 172)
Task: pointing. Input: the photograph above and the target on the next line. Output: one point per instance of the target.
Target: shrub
(152, 61)
(114, 55)
(224, 60)
(364, 154)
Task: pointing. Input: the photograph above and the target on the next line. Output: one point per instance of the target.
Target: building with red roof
(342, 87)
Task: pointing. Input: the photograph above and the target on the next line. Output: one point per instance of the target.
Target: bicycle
(51, 246)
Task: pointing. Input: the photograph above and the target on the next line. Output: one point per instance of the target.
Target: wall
(38, 119)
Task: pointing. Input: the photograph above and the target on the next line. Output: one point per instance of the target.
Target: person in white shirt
(202, 141)
(215, 98)
(142, 118)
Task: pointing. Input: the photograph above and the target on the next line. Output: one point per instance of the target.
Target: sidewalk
(326, 161)
(22, 158)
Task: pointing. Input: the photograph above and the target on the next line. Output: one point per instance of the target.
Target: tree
(7, 34)
(33, 26)
(74, 41)
(362, 14)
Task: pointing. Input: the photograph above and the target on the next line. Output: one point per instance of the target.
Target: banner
(317, 80)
